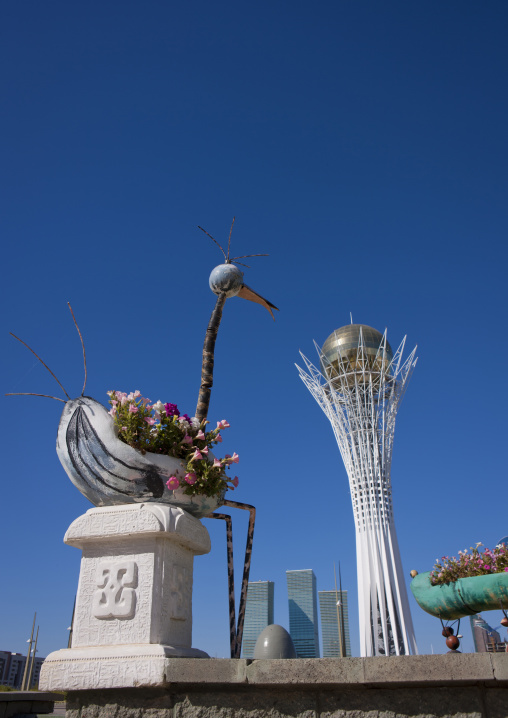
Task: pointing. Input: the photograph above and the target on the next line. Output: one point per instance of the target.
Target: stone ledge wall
(447, 686)
(23, 703)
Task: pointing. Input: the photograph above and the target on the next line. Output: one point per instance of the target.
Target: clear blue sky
(364, 146)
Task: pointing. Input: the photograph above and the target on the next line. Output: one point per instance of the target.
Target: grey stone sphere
(274, 642)
(226, 278)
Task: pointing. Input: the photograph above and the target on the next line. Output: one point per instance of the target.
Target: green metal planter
(464, 597)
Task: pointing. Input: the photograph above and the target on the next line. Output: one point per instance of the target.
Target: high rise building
(334, 623)
(258, 614)
(12, 666)
(359, 386)
(485, 638)
(303, 618)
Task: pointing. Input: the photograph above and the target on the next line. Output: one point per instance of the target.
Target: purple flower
(187, 418)
(171, 409)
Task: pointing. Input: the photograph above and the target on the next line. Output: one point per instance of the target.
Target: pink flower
(114, 402)
(145, 401)
(235, 481)
(196, 455)
(172, 483)
(187, 439)
(149, 420)
(124, 428)
(200, 435)
(235, 458)
(217, 464)
(218, 439)
(191, 478)
(112, 411)
(133, 409)
(205, 451)
(223, 424)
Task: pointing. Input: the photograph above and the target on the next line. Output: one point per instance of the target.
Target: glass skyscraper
(333, 618)
(303, 618)
(258, 614)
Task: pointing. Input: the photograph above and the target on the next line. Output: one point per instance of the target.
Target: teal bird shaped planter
(464, 597)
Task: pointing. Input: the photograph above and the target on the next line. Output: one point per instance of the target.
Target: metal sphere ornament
(227, 279)
(453, 643)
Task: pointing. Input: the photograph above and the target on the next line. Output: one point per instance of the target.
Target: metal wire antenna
(227, 258)
(44, 365)
(82, 345)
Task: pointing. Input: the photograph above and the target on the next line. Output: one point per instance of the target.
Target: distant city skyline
(303, 614)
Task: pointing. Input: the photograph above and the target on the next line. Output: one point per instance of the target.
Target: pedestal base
(134, 602)
(97, 667)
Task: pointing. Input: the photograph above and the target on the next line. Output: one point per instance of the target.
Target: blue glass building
(303, 618)
(334, 623)
(258, 614)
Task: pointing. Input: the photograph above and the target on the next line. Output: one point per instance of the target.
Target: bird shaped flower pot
(109, 472)
(464, 597)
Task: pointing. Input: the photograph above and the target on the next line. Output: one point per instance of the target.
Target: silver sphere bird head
(227, 279)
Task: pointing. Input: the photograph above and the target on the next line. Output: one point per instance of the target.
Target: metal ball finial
(226, 279)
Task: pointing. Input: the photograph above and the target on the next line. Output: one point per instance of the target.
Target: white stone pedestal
(134, 602)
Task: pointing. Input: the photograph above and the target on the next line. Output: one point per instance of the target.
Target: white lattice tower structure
(359, 389)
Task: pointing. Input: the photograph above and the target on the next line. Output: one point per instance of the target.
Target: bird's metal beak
(248, 293)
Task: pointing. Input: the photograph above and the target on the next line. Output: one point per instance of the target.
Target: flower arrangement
(476, 563)
(161, 429)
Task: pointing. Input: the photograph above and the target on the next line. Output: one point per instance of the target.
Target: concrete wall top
(434, 670)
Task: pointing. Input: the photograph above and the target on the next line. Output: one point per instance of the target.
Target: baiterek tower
(359, 386)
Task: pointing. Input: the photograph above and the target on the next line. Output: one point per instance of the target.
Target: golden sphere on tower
(356, 352)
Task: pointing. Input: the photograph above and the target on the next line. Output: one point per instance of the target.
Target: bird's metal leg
(246, 570)
(231, 579)
(236, 631)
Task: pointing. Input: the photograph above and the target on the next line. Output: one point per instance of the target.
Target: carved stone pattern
(173, 599)
(97, 523)
(92, 631)
(115, 596)
(180, 595)
(104, 672)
